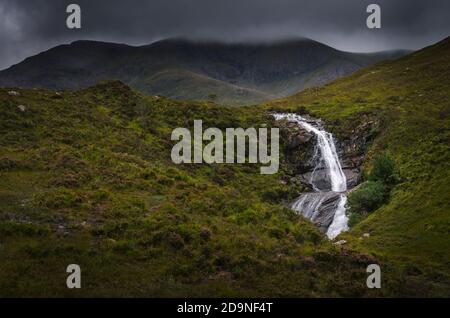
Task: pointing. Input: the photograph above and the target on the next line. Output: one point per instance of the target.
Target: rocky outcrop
(325, 212)
(326, 168)
(353, 142)
(299, 146)
(300, 151)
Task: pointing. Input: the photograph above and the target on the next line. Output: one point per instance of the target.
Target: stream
(325, 206)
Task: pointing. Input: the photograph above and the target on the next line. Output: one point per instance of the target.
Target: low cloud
(28, 27)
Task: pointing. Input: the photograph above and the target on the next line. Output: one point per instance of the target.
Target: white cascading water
(309, 203)
(340, 220)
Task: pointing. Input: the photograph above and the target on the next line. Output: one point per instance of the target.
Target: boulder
(319, 207)
(13, 93)
(297, 138)
(325, 214)
(319, 177)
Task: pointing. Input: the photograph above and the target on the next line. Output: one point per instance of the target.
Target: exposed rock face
(301, 152)
(326, 168)
(353, 177)
(300, 148)
(323, 212)
(353, 146)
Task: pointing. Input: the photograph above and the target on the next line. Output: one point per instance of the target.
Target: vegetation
(409, 99)
(367, 198)
(383, 170)
(86, 178)
(373, 193)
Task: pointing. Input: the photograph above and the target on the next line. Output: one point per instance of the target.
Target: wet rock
(299, 148)
(353, 177)
(341, 242)
(320, 179)
(319, 207)
(22, 108)
(325, 214)
(295, 136)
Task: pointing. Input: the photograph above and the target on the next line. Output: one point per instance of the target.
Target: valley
(86, 177)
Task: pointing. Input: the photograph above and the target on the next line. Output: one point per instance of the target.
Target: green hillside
(184, 84)
(86, 178)
(410, 97)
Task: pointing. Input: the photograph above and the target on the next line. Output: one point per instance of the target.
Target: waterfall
(340, 220)
(326, 205)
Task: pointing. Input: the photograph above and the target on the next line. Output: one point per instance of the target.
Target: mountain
(189, 70)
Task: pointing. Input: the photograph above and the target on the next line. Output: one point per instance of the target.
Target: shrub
(276, 194)
(354, 218)
(369, 197)
(383, 170)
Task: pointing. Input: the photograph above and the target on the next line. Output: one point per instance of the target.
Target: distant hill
(183, 69)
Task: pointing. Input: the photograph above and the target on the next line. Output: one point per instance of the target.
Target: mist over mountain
(230, 73)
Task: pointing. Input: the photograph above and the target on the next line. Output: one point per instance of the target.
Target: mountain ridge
(256, 71)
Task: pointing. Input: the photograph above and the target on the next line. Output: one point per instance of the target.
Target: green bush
(383, 170)
(373, 193)
(354, 218)
(369, 197)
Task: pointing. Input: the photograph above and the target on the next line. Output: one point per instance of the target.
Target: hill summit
(194, 70)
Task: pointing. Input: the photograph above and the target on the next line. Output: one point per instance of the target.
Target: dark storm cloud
(27, 27)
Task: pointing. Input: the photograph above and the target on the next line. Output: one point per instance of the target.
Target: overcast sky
(28, 27)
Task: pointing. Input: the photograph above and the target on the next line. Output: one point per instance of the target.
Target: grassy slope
(184, 84)
(411, 98)
(86, 178)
